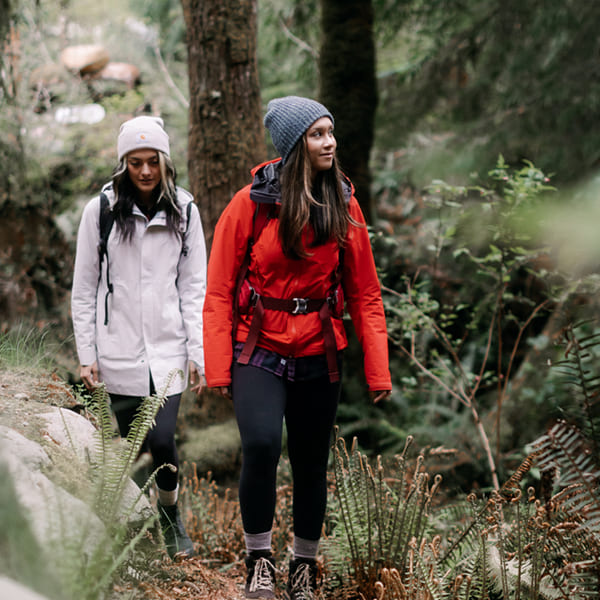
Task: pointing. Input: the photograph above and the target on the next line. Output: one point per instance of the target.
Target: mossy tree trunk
(226, 135)
(11, 115)
(348, 87)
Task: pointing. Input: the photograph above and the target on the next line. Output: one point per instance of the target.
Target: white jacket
(155, 311)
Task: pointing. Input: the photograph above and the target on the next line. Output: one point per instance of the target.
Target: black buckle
(301, 307)
(332, 299)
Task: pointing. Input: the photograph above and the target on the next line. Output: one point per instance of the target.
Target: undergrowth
(28, 347)
(523, 540)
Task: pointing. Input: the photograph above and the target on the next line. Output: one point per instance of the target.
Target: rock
(216, 448)
(15, 591)
(71, 431)
(74, 432)
(85, 59)
(55, 516)
(31, 454)
(120, 71)
(83, 113)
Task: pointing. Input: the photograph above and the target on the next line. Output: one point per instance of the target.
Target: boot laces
(301, 584)
(262, 578)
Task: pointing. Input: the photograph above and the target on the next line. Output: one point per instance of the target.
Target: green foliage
(112, 470)
(87, 567)
(489, 71)
(28, 347)
(80, 561)
(565, 452)
(579, 377)
(168, 17)
(288, 47)
(468, 293)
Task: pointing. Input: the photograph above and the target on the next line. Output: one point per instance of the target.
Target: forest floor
(189, 579)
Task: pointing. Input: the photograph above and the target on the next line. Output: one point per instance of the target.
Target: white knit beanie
(142, 132)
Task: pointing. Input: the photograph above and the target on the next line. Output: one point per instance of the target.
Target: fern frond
(428, 580)
(117, 562)
(582, 378)
(564, 447)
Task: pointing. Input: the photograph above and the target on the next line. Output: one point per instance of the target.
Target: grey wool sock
(168, 497)
(305, 548)
(257, 541)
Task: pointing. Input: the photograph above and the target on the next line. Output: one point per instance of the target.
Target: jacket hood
(265, 183)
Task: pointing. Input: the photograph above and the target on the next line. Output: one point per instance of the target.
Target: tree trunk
(226, 136)
(349, 88)
(5, 17)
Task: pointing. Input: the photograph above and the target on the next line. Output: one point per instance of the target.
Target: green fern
(565, 452)
(380, 518)
(581, 377)
(113, 466)
(565, 447)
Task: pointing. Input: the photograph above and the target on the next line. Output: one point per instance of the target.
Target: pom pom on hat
(142, 132)
(288, 118)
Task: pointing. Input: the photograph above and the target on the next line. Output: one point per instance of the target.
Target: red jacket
(272, 274)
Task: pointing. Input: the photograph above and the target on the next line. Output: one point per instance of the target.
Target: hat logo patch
(140, 138)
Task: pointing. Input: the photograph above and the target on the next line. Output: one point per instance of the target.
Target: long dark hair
(126, 194)
(320, 203)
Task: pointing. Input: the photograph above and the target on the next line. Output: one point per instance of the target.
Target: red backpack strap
(262, 214)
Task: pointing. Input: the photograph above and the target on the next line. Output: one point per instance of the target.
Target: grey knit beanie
(288, 118)
(142, 132)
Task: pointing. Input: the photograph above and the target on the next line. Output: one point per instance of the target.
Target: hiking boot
(302, 582)
(260, 582)
(177, 540)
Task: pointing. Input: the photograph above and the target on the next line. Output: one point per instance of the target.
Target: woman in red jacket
(288, 252)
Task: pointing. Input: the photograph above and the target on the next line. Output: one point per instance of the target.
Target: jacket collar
(265, 184)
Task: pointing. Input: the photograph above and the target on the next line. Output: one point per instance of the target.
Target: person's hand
(89, 375)
(225, 392)
(379, 395)
(197, 381)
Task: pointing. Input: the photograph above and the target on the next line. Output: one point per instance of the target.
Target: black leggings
(261, 402)
(160, 441)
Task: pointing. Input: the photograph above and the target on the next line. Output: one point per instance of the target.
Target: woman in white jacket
(137, 311)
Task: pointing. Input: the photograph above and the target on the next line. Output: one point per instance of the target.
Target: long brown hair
(320, 203)
(126, 194)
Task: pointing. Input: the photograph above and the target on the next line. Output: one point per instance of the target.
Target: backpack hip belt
(294, 306)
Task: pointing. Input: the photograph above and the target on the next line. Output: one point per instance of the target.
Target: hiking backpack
(326, 307)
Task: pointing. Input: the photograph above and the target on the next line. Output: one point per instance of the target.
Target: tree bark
(226, 136)
(349, 88)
